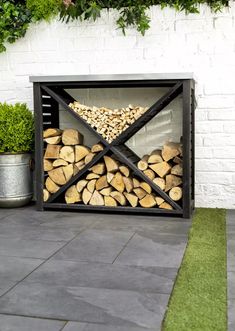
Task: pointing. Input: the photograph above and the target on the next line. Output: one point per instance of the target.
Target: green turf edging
(199, 299)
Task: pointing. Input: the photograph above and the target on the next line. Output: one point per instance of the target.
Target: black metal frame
(48, 96)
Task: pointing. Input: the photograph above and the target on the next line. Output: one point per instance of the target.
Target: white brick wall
(203, 44)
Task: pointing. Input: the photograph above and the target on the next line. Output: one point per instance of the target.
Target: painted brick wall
(203, 44)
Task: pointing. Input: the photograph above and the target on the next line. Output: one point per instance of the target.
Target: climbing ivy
(15, 16)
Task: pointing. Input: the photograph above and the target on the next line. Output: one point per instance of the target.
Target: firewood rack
(49, 94)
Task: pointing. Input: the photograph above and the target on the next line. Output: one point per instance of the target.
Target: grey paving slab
(74, 326)
(16, 268)
(29, 248)
(95, 246)
(36, 232)
(150, 249)
(231, 315)
(20, 323)
(109, 276)
(131, 223)
(231, 217)
(231, 284)
(114, 307)
(6, 285)
(231, 254)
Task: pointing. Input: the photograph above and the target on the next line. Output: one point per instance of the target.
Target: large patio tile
(231, 315)
(231, 254)
(6, 285)
(75, 326)
(95, 246)
(20, 323)
(29, 248)
(150, 249)
(36, 232)
(109, 276)
(230, 217)
(231, 285)
(114, 307)
(131, 223)
(16, 268)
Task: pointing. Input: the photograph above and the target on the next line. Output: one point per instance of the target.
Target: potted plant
(16, 145)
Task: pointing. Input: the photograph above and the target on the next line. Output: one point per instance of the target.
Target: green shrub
(16, 128)
(14, 21)
(44, 9)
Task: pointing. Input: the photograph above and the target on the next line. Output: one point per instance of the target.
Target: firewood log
(91, 175)
(176, 193)
(177, 160)
(106, 191)
(89, 157)
(67, 153)
(59, 163)
(131, 198)
(75, 169)
(149, 173)
(72, 195)
(143, 163)
(68, 172)
(136, 183)
(97, 148)
(128, 184)
(57, 175)
(124, 170)
(111, 164)
(81, 152)
(53, 140)
(72, 137)
(177, 170)
(140, 192)
(159, 200)
(170, 150)
(148, 201)
(47, 165)
(52, 152)
(172, 181)
(91, 185)
(46, 195)
(86, 196)
(51, 132)
(161, 169)
(119, 197)
(99, 168)
(96, 199)
(155, 156)
(80, 164)
(51, 186)
(165, 205)
(110, 176)
(117, 182)
(81, 184)
(110, 202)
(145, 186)
(101, 183)
(160, 182)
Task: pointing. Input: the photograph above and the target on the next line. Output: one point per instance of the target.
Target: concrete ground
(86, 272)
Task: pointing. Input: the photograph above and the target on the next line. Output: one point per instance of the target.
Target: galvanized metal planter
(15, 179)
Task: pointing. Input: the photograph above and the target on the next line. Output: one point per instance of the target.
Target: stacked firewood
(164, 168)
(110, 183)
(65, 155)
(109, 123)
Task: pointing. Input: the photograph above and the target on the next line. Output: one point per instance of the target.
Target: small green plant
(14, 21)
(43, 10)
(16, 128)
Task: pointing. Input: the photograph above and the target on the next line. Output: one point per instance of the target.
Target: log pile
(65, 155)
(109, 123)
(164, 168)
(108, 182)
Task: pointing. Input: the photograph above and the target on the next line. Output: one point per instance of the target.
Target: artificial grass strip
(199, 298)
